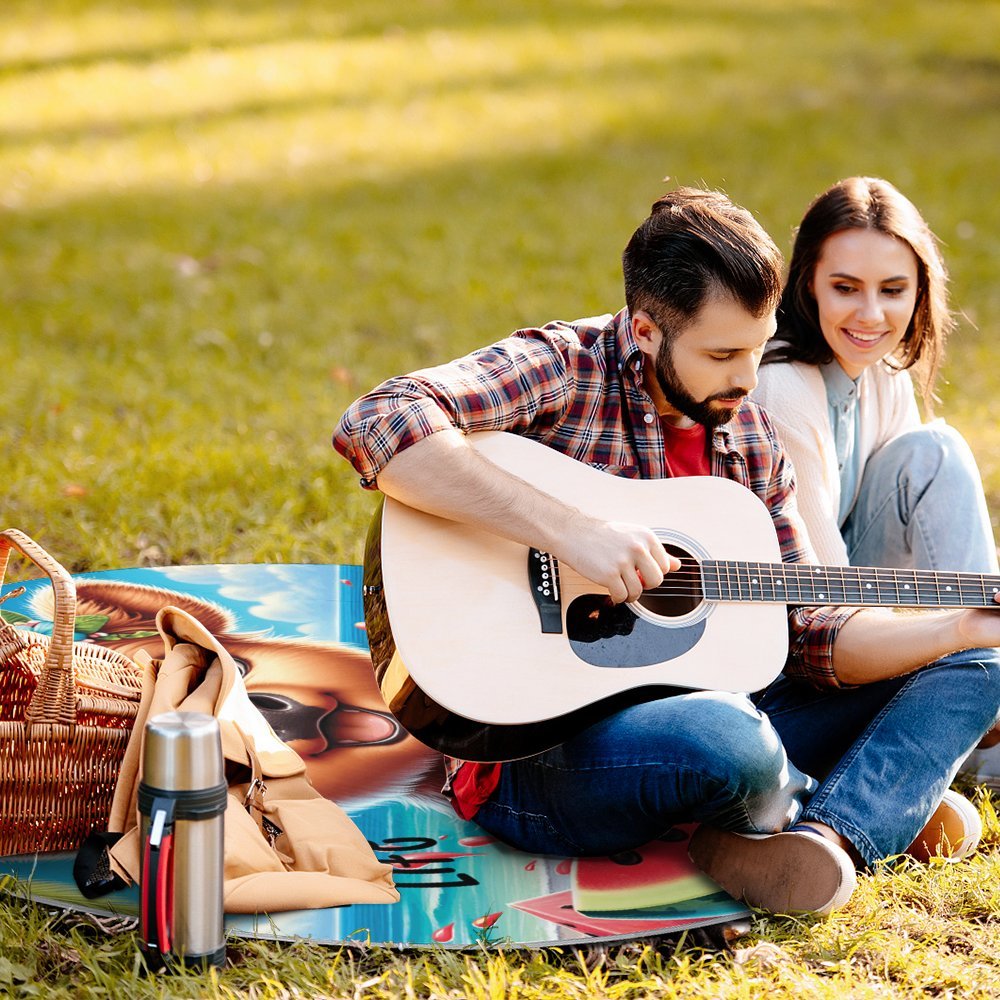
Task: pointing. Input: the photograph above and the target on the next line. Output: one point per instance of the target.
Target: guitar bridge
(543, 578)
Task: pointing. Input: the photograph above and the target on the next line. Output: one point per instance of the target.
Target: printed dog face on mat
(321, 698)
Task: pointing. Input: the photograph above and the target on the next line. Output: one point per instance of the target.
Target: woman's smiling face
(865, 285)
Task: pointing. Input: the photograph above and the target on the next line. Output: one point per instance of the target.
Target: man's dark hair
(694, 244)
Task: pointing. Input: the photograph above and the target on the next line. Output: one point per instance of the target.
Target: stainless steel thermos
(182, 800)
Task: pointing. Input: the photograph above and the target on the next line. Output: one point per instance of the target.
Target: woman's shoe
(953, 831)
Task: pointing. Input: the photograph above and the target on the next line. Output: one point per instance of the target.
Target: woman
(865, 304)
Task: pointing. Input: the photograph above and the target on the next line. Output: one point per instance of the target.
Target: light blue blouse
(842, 402)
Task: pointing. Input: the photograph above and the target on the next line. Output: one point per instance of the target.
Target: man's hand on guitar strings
(622, 557)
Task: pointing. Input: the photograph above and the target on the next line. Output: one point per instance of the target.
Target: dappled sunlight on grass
(368, 107)
(194, 98)
(224, 219)
(220, 217)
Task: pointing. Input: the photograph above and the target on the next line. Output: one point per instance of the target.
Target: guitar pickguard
(613, 635)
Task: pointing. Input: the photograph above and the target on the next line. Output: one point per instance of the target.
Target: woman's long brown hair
(866, 203)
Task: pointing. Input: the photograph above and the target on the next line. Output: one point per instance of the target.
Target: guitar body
(474, 662)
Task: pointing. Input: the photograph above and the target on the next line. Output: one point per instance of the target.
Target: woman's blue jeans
(872, 762)
(920, 505)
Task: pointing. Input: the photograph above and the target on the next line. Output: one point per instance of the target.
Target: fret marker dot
(868, 586)
(947, 588)
(823, 596)
(906, 586)
(753, 579)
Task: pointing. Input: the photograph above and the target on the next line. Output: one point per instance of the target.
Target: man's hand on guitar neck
(878, 643)
(443, 475)
(980, 628)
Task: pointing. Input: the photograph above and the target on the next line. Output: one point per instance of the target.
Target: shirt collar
(722, 440)
(630, 357)
(632, 360)
(840, 387)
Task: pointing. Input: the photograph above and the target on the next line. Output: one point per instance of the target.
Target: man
(852, 749)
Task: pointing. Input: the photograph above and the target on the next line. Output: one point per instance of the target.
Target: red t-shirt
(686, 455)
(686, 450)
(472, 786)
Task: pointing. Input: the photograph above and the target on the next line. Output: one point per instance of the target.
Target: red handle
(165, 894)
(156, 891)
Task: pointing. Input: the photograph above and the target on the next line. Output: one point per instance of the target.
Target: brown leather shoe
(953, 832)
(789, 872)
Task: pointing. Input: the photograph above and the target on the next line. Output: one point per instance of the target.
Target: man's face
(704, 373)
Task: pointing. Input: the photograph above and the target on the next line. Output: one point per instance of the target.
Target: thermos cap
(182, 752)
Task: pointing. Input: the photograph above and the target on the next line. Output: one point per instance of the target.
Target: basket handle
(54, 700)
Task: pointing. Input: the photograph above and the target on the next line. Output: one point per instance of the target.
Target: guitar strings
(690, 581)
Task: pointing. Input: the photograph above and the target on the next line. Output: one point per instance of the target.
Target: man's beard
(680, 399)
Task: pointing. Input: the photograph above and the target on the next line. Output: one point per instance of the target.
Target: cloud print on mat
(275, 593)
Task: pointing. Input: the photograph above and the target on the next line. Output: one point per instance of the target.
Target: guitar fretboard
(792, 583)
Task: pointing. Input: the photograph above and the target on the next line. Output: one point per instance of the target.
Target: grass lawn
(221, 221)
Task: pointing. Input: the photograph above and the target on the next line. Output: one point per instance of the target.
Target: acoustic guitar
(489, 650)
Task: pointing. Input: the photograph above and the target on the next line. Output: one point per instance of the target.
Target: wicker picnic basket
(66, 711)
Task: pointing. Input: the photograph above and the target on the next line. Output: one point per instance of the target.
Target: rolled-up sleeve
(382, 423)
(812, 632)
(515, 384)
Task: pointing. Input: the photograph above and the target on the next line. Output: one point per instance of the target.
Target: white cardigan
(794, 395)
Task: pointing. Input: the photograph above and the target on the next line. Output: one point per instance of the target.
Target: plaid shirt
(577, 387)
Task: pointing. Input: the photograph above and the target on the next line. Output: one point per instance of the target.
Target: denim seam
(893, 497)
(926, 539)
(580, 769)
(815, 809)
(826, 694)
(738, 803)
(542, 820)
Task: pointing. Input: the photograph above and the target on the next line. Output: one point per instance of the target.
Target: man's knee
(695, 722)
(739, 738)
(764, 791)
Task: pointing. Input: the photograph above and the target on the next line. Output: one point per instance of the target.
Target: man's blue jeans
(626, 780)
(886, 752)
(872, 762)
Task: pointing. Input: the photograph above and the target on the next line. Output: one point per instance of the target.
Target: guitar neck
(801, 583)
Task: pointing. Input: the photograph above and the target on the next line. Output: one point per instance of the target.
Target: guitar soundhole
(680, 593)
